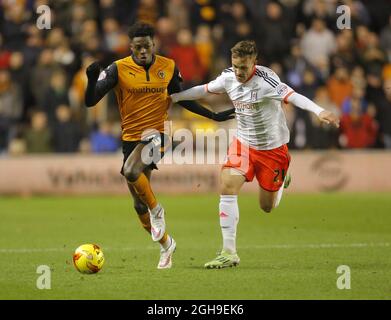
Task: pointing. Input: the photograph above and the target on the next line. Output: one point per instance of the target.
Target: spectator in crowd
(358, 12)
(111, 31)
(165, 35)
(318, 42)
(372, 53)
(79, 14)
(385, 39)
(357, 98)
(236, 25)
(384, 114)
(108, 9)
(12, 28)
(310, 83)
(103, 140)
(319, 9)
(178, 12)
(374, 88)
(339, 85)
(358, 129)
(66, 133)
(274, 34)
(34, 45)
(10, 107)
(56, 95)
(19, 69)
(295, 64)
(17, 145)
(345, 54)
(320, 135)
(205, 48)
(186, 56)
(41, 75)
(203, 12)
(357, 77)
(149, 11)
(38, 136)
(5, 55)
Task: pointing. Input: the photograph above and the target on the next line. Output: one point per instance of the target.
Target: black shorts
(157, 145)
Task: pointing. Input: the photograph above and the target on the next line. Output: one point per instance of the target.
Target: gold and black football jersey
(142, 93)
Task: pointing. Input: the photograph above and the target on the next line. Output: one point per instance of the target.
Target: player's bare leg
(143, 212)
(269, 200)
(134, 172)
(138, 177)
(167, 243)
(231, 183)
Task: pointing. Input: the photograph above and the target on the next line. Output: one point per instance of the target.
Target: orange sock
(144, 191)
(146, 223)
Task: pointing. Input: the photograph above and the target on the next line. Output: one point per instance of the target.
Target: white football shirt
(261, 120)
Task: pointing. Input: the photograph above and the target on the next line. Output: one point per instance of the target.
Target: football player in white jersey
(260, 146)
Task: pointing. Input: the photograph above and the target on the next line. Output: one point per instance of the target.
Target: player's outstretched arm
(99, 83)
(196, 108)
(193, 93)
(306, 104)
(185, 99)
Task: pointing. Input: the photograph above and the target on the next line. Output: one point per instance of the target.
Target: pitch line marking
(266, 246)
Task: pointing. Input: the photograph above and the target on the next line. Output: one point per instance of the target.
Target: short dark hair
(244, 48)
(141, 29)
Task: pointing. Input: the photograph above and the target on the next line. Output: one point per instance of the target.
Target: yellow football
(88, 258)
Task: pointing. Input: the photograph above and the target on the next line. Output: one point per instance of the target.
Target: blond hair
(244, 48)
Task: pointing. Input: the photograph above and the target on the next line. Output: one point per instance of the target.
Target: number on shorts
(277, 173)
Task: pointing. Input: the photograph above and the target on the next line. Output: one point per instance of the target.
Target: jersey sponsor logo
(102, 75)
(161, 74)
(241, 106)
(147, 90)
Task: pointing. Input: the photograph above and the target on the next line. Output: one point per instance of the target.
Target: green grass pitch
(291, 253)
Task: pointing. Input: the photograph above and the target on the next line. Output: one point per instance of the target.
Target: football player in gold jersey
(143, 83)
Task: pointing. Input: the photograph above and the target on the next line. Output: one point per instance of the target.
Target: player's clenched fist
(224, 115)
(329, 118)
(93, 71)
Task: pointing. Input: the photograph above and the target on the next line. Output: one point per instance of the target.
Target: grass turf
(291, 253)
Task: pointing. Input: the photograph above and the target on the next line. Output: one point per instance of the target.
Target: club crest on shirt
(254, 96)
(161, 74)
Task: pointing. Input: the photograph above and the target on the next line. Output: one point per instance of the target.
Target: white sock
(229, 218)
(166, 244)
(279, 196)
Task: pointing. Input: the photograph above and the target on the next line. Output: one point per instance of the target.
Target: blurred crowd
(42, 72)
